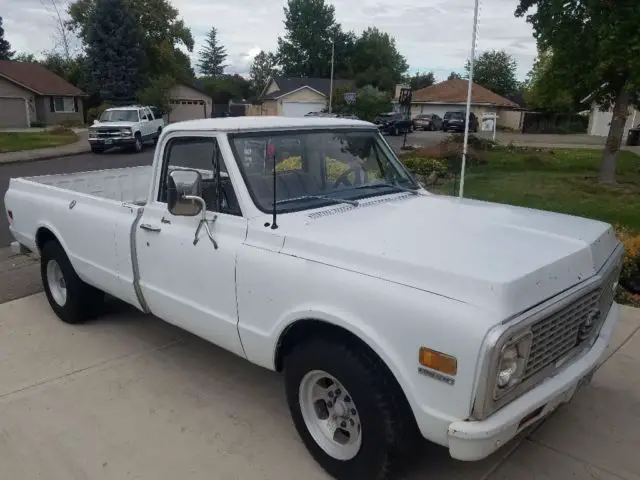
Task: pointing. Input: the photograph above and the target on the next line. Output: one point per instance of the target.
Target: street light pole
(333, 48)
(466, 123)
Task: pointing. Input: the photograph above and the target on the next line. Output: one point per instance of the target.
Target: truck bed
(129, 185)
(92, 214)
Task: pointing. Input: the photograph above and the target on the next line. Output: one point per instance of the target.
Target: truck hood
(503, 258)
(114, 125)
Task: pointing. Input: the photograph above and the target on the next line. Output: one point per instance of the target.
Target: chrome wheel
(330, 415)
(56, 283)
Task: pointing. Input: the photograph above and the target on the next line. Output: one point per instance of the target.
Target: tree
(542, 90)
(422, 80)
(454, 76)
(264, 65)
(5, 47)
(73, 69)
(371, 102)
(226, 87)
(377, 60)
(163, 33)
(157, 93)
(25, 58)
(212, 56)
(596, 48)
(495, 70)
(114, 52)
(305, 50)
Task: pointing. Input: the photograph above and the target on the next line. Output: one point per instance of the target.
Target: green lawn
(13, 142)
(557, 180)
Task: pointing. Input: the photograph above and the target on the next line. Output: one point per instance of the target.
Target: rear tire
(367, 416)
(157, 137)
(72, 300)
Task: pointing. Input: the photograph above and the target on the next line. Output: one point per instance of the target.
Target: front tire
(346, 408)
(137, 146)
(97, 150)
(72, 300)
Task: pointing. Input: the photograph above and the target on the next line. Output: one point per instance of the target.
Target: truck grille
(566, 330)
(106, 132)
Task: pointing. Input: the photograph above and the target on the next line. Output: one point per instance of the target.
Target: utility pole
(466, 124)
(333, 50)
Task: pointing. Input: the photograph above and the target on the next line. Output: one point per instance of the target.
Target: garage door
(300, 109)
(13, 113)
(187, 110)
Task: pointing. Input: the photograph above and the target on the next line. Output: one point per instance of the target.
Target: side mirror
(95, 122)
(184, 193)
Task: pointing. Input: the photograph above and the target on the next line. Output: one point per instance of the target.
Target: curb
(44, 157)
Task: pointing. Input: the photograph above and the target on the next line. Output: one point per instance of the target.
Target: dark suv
(454, 121)
(394, 123)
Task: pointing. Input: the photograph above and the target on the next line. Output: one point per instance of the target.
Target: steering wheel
(343, 177)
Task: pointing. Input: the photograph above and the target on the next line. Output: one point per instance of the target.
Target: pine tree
(5, 47)
(114, 52)
(212, 56)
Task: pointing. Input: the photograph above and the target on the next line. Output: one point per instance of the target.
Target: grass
(557, 180)
(16, 141)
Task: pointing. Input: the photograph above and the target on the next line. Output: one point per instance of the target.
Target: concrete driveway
(131, 397)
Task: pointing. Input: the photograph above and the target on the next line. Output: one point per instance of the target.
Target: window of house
(64, 104)
(202, 154)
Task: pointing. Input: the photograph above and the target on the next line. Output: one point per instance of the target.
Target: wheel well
(43, 236)
(304, 330)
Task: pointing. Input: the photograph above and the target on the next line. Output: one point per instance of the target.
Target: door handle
(149, 228)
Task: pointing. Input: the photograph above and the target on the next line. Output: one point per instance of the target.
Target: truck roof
(229, 124)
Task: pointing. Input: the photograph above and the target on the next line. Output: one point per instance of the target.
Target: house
(451, 95)
(600, 120)
(30, 93)
(189, 102)
(295, 96)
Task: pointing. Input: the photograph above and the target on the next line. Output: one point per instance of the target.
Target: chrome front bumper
(474, 440)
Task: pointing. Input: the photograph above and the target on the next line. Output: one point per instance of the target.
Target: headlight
(93, 133)
(512, 362)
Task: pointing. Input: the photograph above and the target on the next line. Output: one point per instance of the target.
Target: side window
(201, 153)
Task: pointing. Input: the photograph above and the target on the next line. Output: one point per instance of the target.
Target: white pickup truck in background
(128, 127)
(391, 311)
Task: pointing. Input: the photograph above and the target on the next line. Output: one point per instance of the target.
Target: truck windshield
(119, 116)
(338, 164)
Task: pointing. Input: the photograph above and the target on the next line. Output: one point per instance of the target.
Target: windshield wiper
(318, 197)
(390, 185)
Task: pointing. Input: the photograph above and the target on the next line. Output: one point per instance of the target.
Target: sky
(434, 35)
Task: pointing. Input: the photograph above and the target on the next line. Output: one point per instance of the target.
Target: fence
(537, 122)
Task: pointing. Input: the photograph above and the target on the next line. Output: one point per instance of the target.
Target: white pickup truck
(128, 127)
(391, 311)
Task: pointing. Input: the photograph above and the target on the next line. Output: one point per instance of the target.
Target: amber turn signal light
(438, 361)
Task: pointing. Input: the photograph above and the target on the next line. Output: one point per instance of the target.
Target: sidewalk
(77, 148)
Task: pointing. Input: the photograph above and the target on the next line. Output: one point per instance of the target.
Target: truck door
(193, 286)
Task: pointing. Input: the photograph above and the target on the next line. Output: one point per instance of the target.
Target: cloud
(432, 34)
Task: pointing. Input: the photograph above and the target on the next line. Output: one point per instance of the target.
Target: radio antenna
(271, 153)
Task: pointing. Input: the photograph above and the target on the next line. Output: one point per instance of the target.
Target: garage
(187, 110)
(300, 109)
(188, 103)
(13, 113)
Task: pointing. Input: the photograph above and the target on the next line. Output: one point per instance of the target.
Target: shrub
(60, 130)
(95, 112)
(425, 166)
(630, 276)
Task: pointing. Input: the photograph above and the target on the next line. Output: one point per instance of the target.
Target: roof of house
(232, 124)
(36, 78)
(455, 91)
(287, 85)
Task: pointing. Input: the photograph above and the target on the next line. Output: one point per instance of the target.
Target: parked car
(129, 127)
(392, 312)
(427, 121)
(394, 123)
(455, 121)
